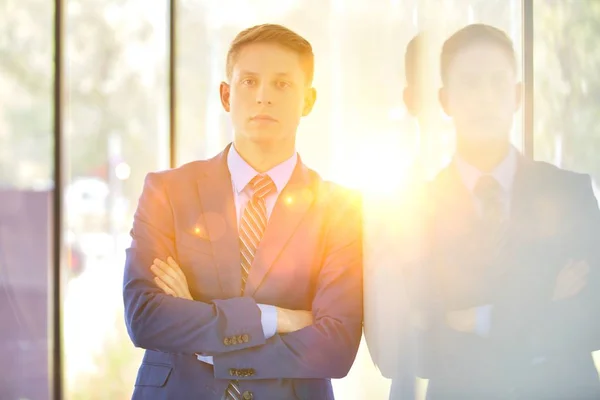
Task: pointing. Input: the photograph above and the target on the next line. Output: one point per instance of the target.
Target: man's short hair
(276, 34)
(474, 34)
(414, 57)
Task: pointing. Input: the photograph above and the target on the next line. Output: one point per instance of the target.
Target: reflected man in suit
(508, 287)
(244, 277)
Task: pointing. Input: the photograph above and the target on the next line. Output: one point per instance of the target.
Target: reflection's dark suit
(536, 348)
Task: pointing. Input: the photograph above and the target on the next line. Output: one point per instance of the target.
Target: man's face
(268, 93)
(481, 93)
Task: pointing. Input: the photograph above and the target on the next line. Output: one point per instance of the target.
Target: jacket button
(248, 395)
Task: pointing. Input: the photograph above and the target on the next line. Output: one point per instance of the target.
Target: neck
(264, 156)
(483, 156)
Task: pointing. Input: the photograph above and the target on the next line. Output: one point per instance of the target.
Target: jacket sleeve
(573, 324)
(534, 322)
(156, 321)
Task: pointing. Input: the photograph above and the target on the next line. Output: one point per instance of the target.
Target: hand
(170, 278)
(292, 320)
(571, 280)
(462, 320)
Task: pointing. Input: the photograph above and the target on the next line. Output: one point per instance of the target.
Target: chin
(262, 137)
(486, 139)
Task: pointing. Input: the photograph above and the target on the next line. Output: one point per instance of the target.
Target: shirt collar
(242, 173)
(504, 172)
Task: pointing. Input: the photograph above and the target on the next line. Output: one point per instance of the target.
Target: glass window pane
(567, 87)
(26, 187)
(116, 132)
(359, 126)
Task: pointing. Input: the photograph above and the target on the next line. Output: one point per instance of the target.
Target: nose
(488, 94)
(264, 95)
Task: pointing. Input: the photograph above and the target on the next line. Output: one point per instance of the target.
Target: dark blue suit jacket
(537, 348)
(310, 259)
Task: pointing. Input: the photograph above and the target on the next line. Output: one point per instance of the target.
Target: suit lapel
(525, 190)
(218, 209)
(536, 210)
(291, 207)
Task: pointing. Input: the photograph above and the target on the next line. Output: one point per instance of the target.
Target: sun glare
(381, 167)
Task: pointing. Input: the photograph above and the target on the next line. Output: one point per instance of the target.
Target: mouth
(487, 119)
(263, 117)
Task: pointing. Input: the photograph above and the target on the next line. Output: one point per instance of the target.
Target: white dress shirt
(504, 173)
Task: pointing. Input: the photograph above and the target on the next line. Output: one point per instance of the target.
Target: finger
(176, 267)
(578, 271)
(583, 267)
(573, 291)
(167, 269)
(574, 272)
(164, 276)
(162, 265)
(579, 283)
(575, 287)
(157, 271)
(172, 263)
(164, 287)
(576, 276)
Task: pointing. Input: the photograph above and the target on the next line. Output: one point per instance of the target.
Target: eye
(248, 81)
(283, 84)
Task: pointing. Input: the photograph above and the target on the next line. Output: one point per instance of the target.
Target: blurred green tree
(567, 83)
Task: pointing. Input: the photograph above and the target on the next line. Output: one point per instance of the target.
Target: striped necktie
(254, 222)
(252, 229)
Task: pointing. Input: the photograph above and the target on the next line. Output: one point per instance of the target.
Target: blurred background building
(140, 93)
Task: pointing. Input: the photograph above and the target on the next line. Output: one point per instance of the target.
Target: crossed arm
(158, 321)
(568, 321)
(169, 277)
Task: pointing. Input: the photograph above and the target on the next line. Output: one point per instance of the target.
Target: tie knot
(488, 189)
(262, 186)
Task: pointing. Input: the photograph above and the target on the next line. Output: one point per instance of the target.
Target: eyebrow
(246, 72)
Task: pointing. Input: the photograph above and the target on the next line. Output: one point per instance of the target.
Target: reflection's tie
(493, 213)
(252, 228)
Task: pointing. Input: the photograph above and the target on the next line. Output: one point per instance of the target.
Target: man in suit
(244, 277)
(508, 290)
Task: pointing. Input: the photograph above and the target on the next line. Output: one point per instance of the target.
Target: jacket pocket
(155, 375)
(313, 389)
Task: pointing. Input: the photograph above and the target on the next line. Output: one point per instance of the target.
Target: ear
(310, 96)
(443, 99)
(518, 96)
(225, 91)
(411, 100)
